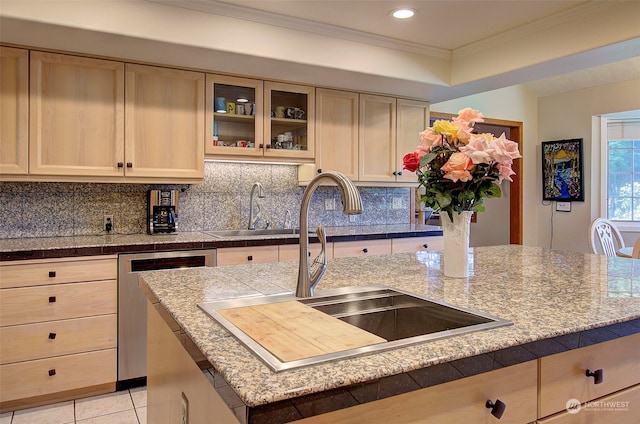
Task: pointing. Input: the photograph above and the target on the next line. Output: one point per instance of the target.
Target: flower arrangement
(459, 168)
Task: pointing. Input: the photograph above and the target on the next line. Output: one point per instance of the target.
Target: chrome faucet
(254, 219)
(309, 275)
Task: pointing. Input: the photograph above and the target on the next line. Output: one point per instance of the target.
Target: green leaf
(426, 159)
(443, 199)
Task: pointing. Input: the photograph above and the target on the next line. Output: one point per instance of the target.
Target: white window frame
(624, 226)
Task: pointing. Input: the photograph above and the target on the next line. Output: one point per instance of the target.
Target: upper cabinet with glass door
(234, 116)
(289, 126)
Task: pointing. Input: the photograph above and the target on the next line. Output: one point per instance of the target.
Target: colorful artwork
(562, 170)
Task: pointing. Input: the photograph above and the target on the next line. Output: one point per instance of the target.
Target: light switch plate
(329, 204)
(563, 206)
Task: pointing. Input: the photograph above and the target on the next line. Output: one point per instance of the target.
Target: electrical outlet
(330, 204)
(108, 223)
(396, 203)
(353, 218)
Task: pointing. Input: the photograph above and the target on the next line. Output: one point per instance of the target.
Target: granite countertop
(549, 295)
(44, 247)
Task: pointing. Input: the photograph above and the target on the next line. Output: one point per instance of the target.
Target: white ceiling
(438, 25)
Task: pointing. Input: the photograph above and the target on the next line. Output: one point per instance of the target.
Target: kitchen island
(559, 301)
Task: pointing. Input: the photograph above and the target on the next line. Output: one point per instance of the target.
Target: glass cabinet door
(289, 128)
(234, 116)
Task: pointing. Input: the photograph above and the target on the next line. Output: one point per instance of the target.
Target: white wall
(570, 115)
(566, 115)
(515, 103)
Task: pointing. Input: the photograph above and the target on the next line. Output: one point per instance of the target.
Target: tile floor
(124, 407)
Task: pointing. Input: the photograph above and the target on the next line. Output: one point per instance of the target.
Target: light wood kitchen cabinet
(234, 134)
(289, 99)
(459, 401)
(620, 408)
(377, 138)
(176, 387)
(291, 252)
(412, 118)
(246, 255)
(337, 132)
(415, 244)
(14, 104)
(164, 123)
(346, 249)
(58, 330)
(563, 376)
(76, 123)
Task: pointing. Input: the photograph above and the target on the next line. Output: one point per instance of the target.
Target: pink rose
(505, 172)
(504, 151)
(411, 162)
(478, 148)
(429, 139)
(469, 115)
(457, 167)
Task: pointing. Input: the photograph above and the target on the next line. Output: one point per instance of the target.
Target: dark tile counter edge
(331, 400)
(155, 247)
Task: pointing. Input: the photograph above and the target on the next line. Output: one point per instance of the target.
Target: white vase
(456, 244)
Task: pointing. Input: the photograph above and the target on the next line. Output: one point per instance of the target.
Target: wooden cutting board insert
(292, 331)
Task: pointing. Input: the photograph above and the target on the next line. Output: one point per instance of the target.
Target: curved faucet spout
(253, 220)
(309, 276)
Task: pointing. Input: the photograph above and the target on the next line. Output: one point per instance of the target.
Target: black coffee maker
(162, 211)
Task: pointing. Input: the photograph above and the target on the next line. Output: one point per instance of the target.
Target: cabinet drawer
(56, 271)
(247, 255)
(56, 302)
(361, 248)
(55, 338)
(459, 401)
(291, 252)
(620, 408)
(414, 244)
(563, 376)
(32, 378)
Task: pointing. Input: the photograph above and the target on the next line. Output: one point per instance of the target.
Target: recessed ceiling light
(403, 13)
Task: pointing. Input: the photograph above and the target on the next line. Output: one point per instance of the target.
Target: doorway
(514, 131)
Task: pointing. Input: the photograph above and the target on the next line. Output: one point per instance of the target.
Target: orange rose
(457, 167)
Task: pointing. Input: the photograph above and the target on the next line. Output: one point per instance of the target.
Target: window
(623, 170)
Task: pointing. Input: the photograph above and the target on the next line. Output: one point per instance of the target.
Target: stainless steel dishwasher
(132, 307)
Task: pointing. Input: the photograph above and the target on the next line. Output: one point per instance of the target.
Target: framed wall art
(562, 175)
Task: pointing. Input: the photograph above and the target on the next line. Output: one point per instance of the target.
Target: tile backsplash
(220, 202)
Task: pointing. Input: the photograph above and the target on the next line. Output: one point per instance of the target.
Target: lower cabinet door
(246, 255)
(620, 408)
(459, 401)
(46, 376)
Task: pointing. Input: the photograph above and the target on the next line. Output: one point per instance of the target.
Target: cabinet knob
(52, 299)
(399, 173)
(425, 245)
(250, 257)
(52, 336)
(129, 164)
(52, 372)
(120, 164)
(598, 375)
(320, 171)
(365, 250)
(52, 274)
(261, 146)
(497, 408)
(395, 173)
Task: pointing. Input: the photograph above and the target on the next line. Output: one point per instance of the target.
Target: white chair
(605, 234)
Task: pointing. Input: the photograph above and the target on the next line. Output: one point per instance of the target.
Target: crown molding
(274, 19)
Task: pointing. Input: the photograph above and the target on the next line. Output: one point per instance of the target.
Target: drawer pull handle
(250, 257)
(52, 372)
(365, 250)
(52, 336)
(497, 408)
(598, 376)
(52, 274)
(425, 245)
(52, 299)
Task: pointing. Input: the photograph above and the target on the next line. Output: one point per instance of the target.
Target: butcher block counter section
(558, 301)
